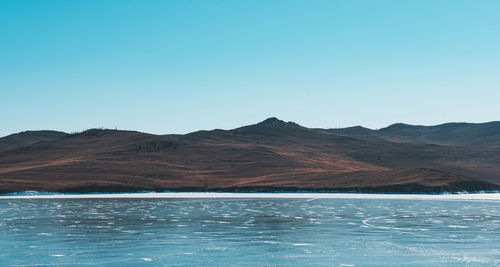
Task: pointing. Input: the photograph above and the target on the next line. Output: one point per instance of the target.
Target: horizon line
(269, 118)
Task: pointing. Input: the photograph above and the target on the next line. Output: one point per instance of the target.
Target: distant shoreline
(187, 195)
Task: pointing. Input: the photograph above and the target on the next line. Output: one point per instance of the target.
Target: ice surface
(187, 229)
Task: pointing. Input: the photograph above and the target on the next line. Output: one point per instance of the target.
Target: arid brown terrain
(269, 156)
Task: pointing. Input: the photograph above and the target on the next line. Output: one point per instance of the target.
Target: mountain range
(272, 155)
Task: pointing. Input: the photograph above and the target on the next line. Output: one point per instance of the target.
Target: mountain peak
(272, 120)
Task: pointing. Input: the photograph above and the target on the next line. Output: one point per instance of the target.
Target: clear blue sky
(179, 66)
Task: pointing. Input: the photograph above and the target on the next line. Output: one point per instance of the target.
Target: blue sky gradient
(179, 66)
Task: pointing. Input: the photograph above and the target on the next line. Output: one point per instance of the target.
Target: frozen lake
(189, 229)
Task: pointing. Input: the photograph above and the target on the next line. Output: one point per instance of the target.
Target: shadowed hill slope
(27, 138)
(453, 134)
(271, 155)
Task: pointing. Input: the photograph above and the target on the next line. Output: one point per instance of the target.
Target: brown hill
(271, 155)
